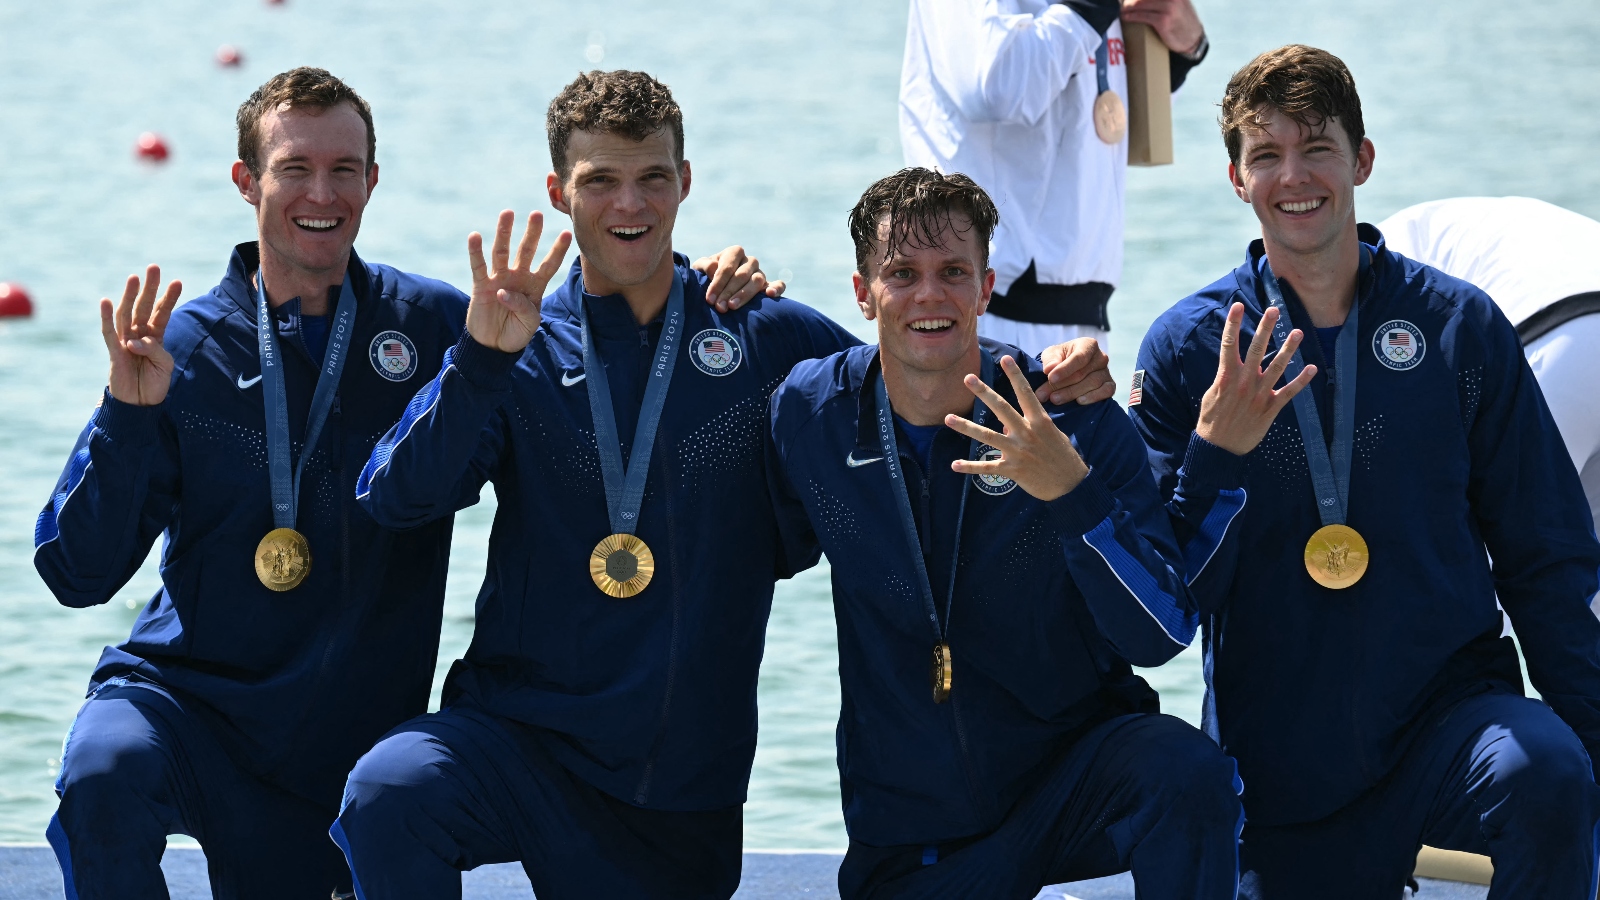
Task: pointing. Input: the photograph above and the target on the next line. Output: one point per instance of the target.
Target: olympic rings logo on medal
(995, 485)
(1399, 345)
(393, 355)
(715, 352)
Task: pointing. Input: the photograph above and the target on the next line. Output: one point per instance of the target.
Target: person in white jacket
(1004, 91)
(1541, 265)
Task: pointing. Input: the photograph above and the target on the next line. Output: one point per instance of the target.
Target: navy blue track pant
(137, 767)
(1497, 774)
(459, 788)
(1148, 793)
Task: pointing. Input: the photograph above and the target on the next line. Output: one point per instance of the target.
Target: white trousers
(1567, 363)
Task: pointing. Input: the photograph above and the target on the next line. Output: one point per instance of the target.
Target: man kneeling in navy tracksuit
(1357, 668)
(601, 728)
(246, 691)
(991, 590)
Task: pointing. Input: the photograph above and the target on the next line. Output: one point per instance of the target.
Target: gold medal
(621, 565)
(1336, 556)
(941, 672)
(283, 559)
(1110, 117)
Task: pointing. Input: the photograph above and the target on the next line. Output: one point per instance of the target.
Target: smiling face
(314, 185)
(623, 198)
(1301, 181)
(926, 300)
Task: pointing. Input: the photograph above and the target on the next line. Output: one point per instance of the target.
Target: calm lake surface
(790, 113)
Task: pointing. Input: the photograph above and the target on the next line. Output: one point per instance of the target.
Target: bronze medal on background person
(1336, 556)
(283, 557)
(942, 672)
(1110, 116)
(621, 565)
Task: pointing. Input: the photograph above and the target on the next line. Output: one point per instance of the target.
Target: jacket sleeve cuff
(1209, 466)
(1079, 510)
(483, 367)
(125, 423)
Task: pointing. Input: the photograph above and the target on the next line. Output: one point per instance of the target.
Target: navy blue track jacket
(298, 684)
(651, 699)
(1316, 691)
(1052, 603)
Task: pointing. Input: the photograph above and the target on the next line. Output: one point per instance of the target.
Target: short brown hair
(302, 88)
(920, 203)
(1308, 85)
(632, 104)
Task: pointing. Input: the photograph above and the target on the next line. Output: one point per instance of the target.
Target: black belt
(1551, 317)
(1053, 304)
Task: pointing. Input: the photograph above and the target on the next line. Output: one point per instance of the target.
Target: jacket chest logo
(715, 352)
(991, 484)
(1399, 345)
(393, 355)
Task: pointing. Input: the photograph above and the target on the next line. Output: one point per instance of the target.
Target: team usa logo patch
(393, 355)
(1136, 389)
(991, 484)
(1399, 345)
(715, 352)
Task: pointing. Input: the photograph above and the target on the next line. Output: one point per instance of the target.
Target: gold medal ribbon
(1336, 556)
(621, 565)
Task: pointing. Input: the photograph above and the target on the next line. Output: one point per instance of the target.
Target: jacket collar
(610, 315)
(237, 283)
(1253, 287)
(862, 370)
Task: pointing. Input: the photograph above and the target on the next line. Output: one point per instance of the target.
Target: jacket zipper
(642, 795)
(955, 705)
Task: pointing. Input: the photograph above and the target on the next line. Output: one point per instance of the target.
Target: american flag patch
(713, 345)
(393, 348)
(1399, 338)
(1136, 389)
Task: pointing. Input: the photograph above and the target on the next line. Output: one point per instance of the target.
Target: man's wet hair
(921, 205)
(1307, 85)
(302, 88)
(631, 104)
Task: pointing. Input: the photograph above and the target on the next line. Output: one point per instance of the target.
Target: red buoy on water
(14, 301)
(228, 55)
(152, 147)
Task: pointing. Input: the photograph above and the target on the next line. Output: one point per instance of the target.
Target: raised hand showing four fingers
(1241, 403)
(141, 367)
(1033, 451)
(504, 313)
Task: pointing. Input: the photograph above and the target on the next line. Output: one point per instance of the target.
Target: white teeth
(1302, 206)
(630, 230)
(316, 223)
(932, 324)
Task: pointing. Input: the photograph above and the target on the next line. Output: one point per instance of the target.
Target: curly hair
(920, 204)
(1308, 85)
(302, 88)
(632, 104)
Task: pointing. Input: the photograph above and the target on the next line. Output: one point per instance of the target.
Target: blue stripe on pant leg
(57, 836)
(337, 833)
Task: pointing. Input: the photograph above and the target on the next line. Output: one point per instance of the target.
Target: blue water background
(790, 113)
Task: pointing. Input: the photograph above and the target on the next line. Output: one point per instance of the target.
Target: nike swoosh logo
(569, 381)
(245, 384)
(851, 461)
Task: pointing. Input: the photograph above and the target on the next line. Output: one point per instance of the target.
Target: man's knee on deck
(113, 754)
(1541, 775)
(1188, 769)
